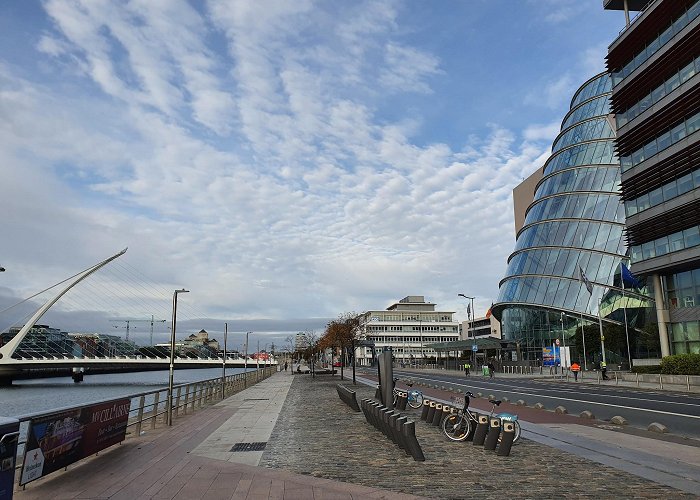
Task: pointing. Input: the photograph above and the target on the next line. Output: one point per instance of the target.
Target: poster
(550, 356)
(57, 440)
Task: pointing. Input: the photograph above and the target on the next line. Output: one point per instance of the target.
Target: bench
(348, 397)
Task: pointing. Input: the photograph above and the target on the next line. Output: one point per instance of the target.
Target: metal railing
(151, 406)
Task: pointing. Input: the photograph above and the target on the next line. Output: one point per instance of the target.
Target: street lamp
(471, 326)
(2, 269)
(245, 361)
(172, 356)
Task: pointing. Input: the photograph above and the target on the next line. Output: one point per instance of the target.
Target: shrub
(681, 364)
(646, 369)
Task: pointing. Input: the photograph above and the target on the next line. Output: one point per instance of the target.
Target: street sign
(556, 342)
(474, 348)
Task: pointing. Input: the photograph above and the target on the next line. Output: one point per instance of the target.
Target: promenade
(316, 447)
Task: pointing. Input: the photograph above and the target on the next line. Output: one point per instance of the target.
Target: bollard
(404, 401)
(400, 422)
(424, 410)
(409, 431)
(506, 439)
(431, 412)
(482, 428)
(446, 410)
(437, 416)
(492, 435)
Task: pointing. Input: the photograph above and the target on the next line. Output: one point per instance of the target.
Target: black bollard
(437, 416)
(482, 428)
(431, 412)
(492, 435)
(403, 401)
(409, 431)
(424, 410)
(400, 422)
(506, 439)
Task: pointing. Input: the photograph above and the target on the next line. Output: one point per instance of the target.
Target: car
(338, 363)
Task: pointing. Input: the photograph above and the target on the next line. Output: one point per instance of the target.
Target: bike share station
(494, 432)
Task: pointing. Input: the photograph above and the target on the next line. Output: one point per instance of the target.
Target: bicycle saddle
(469, 394)
(496, 402)
(410, 384)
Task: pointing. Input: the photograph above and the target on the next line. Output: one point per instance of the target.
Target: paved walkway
(317, 448)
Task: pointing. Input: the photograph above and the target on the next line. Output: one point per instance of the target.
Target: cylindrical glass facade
(575, 221)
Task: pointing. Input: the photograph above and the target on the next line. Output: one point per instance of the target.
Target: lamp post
(470, 324)
(223, 373)
(2, 269)
(420, 332)
(172, 356)
(565, 358)
(245, 361)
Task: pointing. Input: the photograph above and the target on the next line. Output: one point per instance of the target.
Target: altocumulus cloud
(239, 150)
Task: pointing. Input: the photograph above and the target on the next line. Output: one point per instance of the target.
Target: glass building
(575, 222)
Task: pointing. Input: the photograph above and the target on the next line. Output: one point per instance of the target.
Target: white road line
(582, 401)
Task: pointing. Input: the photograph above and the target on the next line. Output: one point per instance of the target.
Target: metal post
(223, 370)
(624, 311)
(245, 362)
(172, 356)
(563, 341)
(600, 323)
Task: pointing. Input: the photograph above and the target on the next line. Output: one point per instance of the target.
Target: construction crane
(129, 321)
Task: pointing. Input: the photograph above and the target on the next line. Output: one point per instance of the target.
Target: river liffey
(26, 397)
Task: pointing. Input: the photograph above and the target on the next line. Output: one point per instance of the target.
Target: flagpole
(624, 311)
(600, 323)
(583, 336)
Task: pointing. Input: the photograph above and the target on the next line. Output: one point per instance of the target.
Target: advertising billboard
(57, 440)
(550, 356)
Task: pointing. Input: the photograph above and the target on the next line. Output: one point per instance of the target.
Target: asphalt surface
(679, 412)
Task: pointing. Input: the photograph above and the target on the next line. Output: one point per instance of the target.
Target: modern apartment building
(574, 223)
(655, 69)
(407, 326)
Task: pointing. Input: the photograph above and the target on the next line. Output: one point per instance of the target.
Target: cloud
(240, 151)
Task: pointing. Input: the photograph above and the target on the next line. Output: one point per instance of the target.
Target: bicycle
(458, 426)
(415, 397)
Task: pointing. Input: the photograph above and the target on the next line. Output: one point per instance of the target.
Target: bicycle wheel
(415, 399)
(456, 427)
(517, 431)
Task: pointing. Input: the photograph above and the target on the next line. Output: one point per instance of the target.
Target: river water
(43, 394)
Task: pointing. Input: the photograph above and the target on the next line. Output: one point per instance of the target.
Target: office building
(655, 68)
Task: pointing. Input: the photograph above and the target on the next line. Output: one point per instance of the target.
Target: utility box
(9, 435)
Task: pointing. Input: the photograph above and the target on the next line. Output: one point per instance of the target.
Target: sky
(284, 161)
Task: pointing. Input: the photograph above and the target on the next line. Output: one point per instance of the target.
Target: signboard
(556, 342)
(474, 347)
(550, 356)
(57, 440)
(9, 430)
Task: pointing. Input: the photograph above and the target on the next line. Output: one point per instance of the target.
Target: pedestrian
(575, 368)
(285, 366)
(467, 367)
(604, 369)
(491, 369)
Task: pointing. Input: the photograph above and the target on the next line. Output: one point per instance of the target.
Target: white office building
(407, 326)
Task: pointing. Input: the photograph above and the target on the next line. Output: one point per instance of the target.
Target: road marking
(579, 400)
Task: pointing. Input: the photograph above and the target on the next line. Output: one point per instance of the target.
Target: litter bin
(485, 371)
(9, 433)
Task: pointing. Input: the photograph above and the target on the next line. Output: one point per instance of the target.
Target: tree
(342, 333)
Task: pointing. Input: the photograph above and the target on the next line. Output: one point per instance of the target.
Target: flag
(628, 277)
(469, 312)
(488, 313)
(584, 278)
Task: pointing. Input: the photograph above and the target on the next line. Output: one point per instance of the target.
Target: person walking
(604, 369)
(467, 367)
(491, 369)
(575, 368)
(285, 366)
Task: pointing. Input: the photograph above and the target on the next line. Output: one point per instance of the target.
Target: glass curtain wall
(575, 221)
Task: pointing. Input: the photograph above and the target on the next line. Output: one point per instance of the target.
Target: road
(679, 412)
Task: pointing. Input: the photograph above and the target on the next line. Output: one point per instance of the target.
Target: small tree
(342, 333)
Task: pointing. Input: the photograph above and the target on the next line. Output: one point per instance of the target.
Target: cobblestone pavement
(317, 434)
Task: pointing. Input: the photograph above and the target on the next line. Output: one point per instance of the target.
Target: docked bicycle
(414, 396)
(458, 426)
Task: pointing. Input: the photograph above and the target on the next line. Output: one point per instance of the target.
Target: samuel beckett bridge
(36, 349)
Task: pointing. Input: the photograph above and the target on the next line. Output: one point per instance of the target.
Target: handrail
(195, 393)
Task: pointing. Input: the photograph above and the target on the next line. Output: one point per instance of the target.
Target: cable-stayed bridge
(36, 348)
